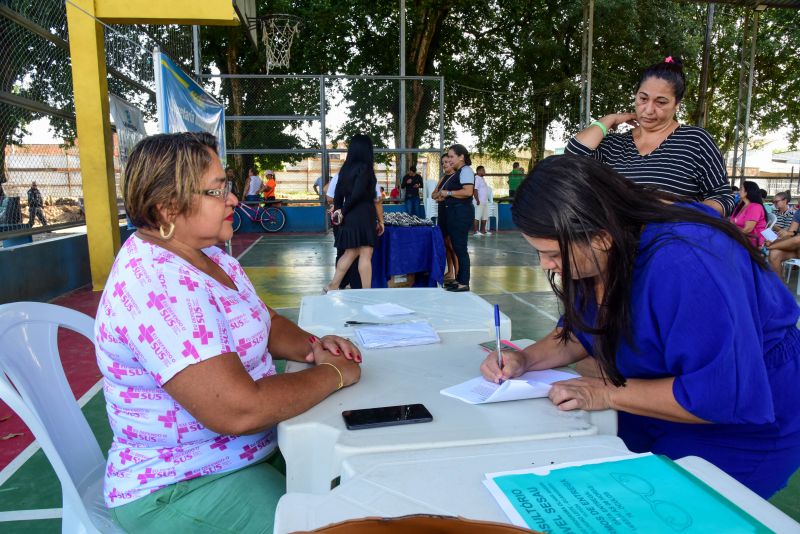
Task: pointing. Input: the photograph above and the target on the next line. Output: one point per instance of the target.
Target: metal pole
(738, 130)
(588, 101)
(196, 49)
(754, 37)
(581, 104)
(323, 143)
(701, 103)
(441, 117)
(402, 121)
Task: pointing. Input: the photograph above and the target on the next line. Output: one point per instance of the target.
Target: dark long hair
(753, 195)
(669, 70)
(360, 158)
(461, 150)
(572, 199)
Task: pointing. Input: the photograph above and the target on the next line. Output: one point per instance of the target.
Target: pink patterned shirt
(158, 315)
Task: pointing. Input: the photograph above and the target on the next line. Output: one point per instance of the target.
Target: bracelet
(601, 126)
(341, 377)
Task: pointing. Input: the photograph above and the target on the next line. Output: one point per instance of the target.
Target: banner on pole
(129, 123)
(183, 106)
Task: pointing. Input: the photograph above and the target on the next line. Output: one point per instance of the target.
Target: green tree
(33, 69)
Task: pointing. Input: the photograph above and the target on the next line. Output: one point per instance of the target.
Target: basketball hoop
(277, 33)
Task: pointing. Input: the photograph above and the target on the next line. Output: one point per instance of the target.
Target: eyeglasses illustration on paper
(669, 513)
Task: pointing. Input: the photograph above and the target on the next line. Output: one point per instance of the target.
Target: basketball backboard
(246, 9)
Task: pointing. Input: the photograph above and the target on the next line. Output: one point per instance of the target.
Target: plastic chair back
(33, 384)
(771, 220)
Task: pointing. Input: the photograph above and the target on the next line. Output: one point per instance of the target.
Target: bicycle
(272, 218)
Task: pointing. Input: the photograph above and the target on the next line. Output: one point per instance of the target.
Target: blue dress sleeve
(710, 335)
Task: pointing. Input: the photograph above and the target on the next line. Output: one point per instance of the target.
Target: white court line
(9, 470)
(31, 515)
(245, 251)
(523, 301)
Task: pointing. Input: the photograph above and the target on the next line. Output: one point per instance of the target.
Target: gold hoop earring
(168, 235)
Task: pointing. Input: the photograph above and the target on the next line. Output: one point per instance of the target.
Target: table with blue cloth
(405, 250)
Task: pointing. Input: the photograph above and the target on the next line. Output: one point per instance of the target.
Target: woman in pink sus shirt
(186, 348)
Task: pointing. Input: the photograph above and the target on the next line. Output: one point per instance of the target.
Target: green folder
(649, 494)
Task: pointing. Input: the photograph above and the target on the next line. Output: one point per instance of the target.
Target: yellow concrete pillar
(90, 85)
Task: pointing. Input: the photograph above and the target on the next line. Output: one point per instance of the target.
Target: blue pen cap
(497, 315)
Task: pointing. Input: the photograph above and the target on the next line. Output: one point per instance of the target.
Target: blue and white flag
(183, 106)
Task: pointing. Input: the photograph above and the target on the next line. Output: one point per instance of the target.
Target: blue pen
(497, 337)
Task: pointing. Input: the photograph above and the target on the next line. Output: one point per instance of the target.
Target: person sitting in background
(693, 339)
(35, 205)
(186, 348)
(383, 193)
(660, 152)
(781, 203)
(254, 186)
(269, 186)
(749, 215)
(481, 200)
(395, 193)
(786, 247)
(768, 207)
(515, 178)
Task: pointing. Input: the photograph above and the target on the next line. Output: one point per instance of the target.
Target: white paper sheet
(531, 385)
(387, 309)
(769, 235)
(396, 335)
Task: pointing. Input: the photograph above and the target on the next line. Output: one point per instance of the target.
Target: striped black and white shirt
(783, 220)
(688, 163)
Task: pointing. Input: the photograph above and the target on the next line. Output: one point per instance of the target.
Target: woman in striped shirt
(658, 151)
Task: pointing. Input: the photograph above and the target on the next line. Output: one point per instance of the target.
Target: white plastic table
(449, 482)
(444, 310)
(316, 442)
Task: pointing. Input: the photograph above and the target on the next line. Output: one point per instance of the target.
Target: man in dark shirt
(35, 205)
(412, 183)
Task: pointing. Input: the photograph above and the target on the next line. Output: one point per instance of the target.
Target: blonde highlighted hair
(165, 170)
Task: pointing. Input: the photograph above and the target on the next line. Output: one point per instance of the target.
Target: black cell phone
(404, 414)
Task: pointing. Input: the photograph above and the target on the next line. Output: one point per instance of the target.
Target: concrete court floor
(284, 268)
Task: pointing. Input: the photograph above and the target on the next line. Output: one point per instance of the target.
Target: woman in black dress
(441, 222)
(354, 212)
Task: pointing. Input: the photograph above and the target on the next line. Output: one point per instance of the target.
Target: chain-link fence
(37, 114)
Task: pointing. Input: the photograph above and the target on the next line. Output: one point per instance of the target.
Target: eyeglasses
(219, 193)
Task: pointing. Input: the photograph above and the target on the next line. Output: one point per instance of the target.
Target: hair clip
(669, 59)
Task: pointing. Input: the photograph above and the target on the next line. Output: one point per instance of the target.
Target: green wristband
(601, 126)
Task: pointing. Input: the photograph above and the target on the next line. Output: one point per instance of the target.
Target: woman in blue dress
(693, 338)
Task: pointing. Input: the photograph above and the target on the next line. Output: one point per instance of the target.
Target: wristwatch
(449, 193)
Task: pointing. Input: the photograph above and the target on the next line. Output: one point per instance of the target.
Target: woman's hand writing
(514, 364)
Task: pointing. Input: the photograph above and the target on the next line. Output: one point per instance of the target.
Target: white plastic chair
(431, 206)
(787, 271)
(33, 384)
(493, 212)
(771, 220)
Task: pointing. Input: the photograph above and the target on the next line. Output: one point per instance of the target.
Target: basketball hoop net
(277, 34)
